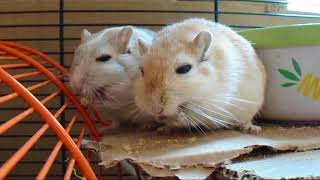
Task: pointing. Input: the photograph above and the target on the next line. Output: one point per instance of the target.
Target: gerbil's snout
(157, 110)
(157, 104)
(89, 97)
(159, 113)
(76, 82)
(74, 85)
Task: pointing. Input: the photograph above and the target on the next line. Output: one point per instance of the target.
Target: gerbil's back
(189, 28)
(186, 30)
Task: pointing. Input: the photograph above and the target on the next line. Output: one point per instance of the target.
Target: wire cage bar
(27, 71)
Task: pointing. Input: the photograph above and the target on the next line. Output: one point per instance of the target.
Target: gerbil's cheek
(75, 83)
(110, 72)
(142, 104)
(204, 71)
(171, 110)
(138, 94)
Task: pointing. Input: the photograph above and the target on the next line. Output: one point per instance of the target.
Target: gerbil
(104, 65)
(200, 74)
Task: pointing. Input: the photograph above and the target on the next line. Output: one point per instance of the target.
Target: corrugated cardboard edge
(201, 171)
(293, 165)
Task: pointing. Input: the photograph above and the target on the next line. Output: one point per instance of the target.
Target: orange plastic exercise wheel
(38, 61)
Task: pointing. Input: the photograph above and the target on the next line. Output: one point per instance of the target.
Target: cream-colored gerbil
(200, 74)
(103, 68)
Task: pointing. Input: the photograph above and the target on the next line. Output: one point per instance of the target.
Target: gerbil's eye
(103, 58)
(128, 52)
(183, 69)
(142, 72)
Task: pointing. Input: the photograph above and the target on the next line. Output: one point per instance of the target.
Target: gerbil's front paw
(148, 126)
(164, 130)
(250, 128)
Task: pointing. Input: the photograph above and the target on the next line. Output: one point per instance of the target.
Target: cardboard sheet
(289, 165)
(195, 156)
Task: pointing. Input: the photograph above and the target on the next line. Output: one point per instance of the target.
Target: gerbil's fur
(108, 83)
(224, 87)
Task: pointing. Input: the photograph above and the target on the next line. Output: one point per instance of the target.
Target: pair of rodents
(191, 74)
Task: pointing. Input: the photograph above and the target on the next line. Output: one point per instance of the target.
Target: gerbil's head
(173, 72)
(102, 65)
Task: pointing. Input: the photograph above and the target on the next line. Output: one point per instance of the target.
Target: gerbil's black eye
(103, 58)
(142, 72)
(183, 69)
(128, 52)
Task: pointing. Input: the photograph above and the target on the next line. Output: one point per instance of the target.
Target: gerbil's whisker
(184, 114)
(185, 119)
(219, 108)
(238, 99)
(136, 114)
(130, 104)
(209, 110)
(213, 119)
(219, 101)
(193, 123)
(103, 101)
(230, 116)
(197, 120)
(96, 95)
(110, 96)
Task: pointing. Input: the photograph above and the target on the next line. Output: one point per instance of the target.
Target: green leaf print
(296, 66)
(289, 75)
(288, 84)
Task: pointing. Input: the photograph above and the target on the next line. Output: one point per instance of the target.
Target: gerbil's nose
(75, 87)
(157, 110)
(160, 111)
(160, 114)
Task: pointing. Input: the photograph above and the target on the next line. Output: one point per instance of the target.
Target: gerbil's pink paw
(250, 128)
(164, 130)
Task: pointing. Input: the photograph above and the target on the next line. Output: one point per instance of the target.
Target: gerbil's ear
(123, 38)
(142, 47)
(202, 42)
(85, 34)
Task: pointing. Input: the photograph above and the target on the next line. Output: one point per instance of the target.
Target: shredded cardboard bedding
(196, 156)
